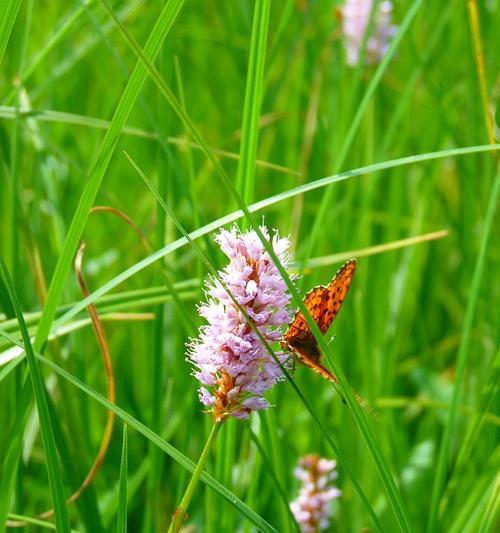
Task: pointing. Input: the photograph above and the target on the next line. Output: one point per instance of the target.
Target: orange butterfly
(323, 304)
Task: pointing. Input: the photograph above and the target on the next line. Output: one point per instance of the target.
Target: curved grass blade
(258, 206)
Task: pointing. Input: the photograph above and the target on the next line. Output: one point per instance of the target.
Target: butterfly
(323, 304)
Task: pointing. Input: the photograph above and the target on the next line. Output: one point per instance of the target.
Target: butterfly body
(303, 347)
(323, 304)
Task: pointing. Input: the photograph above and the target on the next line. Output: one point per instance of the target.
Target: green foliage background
(418, 335)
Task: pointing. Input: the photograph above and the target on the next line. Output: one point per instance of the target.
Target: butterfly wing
(323, 303)
(313, 303)
(299, 338)
(333, 295)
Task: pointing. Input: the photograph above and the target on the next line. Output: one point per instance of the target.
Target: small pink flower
(355, 18)
(311, 508)
(232, 365)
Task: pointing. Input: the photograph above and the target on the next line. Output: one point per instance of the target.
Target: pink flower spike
(229, 360)
(311, 508)
(355, 18)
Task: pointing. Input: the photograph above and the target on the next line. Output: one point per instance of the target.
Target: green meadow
(130, 133)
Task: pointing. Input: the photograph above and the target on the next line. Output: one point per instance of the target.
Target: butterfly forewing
(323, 304)
(333, 296)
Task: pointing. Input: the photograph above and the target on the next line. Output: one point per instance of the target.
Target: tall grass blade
(49, 443)
(253, 99)
(8, 15)
(122, 488)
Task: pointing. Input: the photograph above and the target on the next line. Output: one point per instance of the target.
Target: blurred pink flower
(232, 365)
(311, 508)
(355, 18)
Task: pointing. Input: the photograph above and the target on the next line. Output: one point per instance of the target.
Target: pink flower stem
(180, 513)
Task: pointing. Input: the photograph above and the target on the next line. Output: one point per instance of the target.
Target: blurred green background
(64, 70)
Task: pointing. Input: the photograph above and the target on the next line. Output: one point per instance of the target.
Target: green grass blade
(12, 455)
(490, 515)
(477, 497)
(49, 115)
(279, 487)
(462, 356)
(166, 92)
(8, 16)
(480, 414)
(253, 99)
(49, 443)
(64, 28)
(122, 490)
(36, 522)
(124, 107)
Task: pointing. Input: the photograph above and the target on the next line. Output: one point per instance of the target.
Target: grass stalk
(475, 29)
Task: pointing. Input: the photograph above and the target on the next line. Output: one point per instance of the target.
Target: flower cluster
(311, 509)
(355, 18)
(230, 362)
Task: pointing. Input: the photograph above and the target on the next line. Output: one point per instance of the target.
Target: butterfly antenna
(365, 405)
(325, 373)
